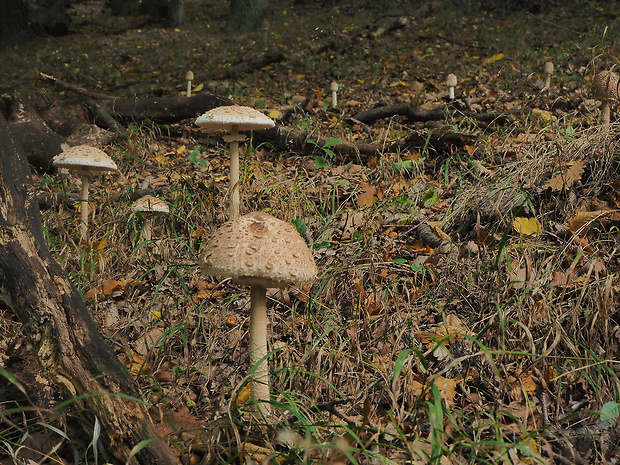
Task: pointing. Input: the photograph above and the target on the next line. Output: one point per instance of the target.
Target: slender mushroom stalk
(334, 90)
(85, 178)
(451, 82)
(234, 138)
(189, 77)
(548, 72)
(234, 118)
(605, 88)
(258, 343)
(259, 251)
(84, 160)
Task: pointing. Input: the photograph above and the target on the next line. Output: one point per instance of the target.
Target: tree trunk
(13, 21)
(72, 355)
(246, 15)
(176, 13)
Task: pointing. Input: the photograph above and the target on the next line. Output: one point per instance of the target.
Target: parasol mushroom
(260, 251)
(605, 89)
(234, 118)
(150, 207)
(85, 161)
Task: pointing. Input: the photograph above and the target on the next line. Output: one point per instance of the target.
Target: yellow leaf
(275, 114)
(527, 226)
(243, 396)
(162, 160)
(220, 178)
(543, 115)
(181, 150)
(198, 88)
(491, 59)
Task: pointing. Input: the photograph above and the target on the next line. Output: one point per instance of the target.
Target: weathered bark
(39, 142)
(406, 109)
(72, 354)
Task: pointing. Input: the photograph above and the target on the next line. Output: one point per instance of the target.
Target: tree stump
(71, 354)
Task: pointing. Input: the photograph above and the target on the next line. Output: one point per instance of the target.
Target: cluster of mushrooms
(257, 249)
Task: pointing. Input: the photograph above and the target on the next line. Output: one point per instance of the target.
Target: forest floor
(465, 306)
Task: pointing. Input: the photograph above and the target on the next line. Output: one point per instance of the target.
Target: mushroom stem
(189, 88)
(234, 171)
(605, 113)
(147, 228)
(258, 348)
(84, 205)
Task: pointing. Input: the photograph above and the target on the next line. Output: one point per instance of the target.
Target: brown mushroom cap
(84, 158)
(258, 249)
(245, 118)
(150, 204)
(605, 86)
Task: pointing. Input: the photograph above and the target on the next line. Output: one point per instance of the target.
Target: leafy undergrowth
(466, 305)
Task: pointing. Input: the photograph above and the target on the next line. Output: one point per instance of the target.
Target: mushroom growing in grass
(84, 160)
(234, 118)
(150, 207)
(451, 82)
(605, 89)
(189, 77)
(260, 251)
(333, 88)
(548, 72)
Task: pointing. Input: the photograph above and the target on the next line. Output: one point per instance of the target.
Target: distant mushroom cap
(225, 117)
(605, 86)
(548, 67)
(151, 204)
(333, 86)
(84, 158)
(189, 76)
(451, 80)
(258, 249)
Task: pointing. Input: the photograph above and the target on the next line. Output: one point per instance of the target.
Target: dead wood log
(160, 110)
(39, 142)
(299, 142)
(412, 112)
(72, 355)
(163, 109)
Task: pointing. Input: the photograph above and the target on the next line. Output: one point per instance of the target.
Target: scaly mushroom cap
(258, 249)
(605, 86)
(245, 118)
(150, 204)
(84, 158)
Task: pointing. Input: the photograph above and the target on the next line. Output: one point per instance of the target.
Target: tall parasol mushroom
(260, 251)
(234, 118)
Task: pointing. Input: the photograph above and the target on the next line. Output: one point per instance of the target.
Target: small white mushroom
(150, 207)
(189, 77)
(451, 83)
(85, 161)
(260, 251)
(234, 118)
(548, 72)
(605, 89)
(333, 88)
